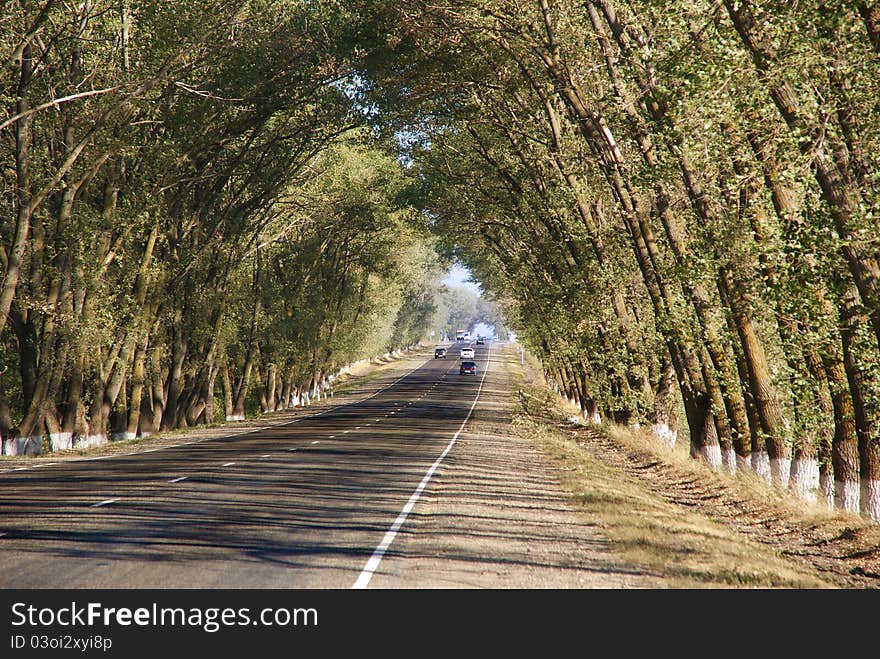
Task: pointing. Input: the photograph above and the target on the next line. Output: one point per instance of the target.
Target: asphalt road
(309, 504)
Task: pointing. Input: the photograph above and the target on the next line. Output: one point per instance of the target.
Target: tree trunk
(836, 184)
(863, 394)
(157, 389)
(22, 198)
(173, 415)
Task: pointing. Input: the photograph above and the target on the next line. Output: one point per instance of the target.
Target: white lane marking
(331, 436)
(362, 400)
(266, 456)
(316, 441)
(368, 425)
(106, 502)
(178, 479)
(293, 449)
(358, 428)
(373, 563)
(345, 431)
(229, 464)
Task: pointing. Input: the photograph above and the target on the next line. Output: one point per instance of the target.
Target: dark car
(481, 341)
(439, 352)
(467, 368)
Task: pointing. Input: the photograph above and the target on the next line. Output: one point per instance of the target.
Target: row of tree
(677, 205)
(197, 223)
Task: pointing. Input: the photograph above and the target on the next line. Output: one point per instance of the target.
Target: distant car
(481, 341)
(467, 368)
(467, 353)
(439, 353)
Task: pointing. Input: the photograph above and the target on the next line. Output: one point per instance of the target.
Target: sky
(460, 276)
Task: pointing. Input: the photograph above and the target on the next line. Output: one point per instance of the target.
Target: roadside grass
(684, 549)
(365, 373)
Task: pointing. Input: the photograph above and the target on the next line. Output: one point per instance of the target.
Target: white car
(467, 353)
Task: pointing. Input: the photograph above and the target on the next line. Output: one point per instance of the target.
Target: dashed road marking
(229, 464)
(178, 479)
(373, 563)
(106, 502)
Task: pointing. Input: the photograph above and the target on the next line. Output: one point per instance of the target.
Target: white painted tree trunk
(94, 440)
(826, 485)
(666, 435)
(743, 465)
(23, 445)
(780, 470)
(728, 459)
(805, 478)
(846, 495)
(871, 499)
(711, 453)
(594, 418)
(61, 441)
(761, 466)
(120, 436)
(235, 417)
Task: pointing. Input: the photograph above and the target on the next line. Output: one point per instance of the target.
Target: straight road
(309, 504)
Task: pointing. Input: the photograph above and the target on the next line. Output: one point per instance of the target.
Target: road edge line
(372, 564)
